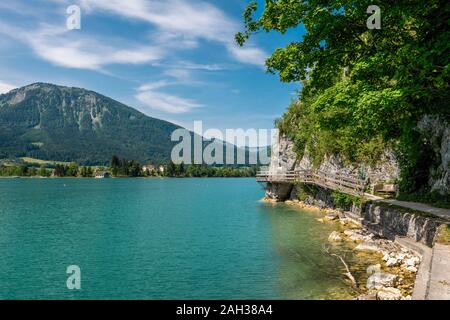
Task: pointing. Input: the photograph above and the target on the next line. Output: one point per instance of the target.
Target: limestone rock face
(283, 157)
(438, 131)
(386, 170)
(278, 191)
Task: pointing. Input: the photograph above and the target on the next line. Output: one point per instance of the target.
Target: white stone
(380, 280)
(373, 269)
(392, 262)
(368, 246)
(412, 262)
(335, 236)
(357, 237)
(331, 216)
(412, 269)
(401, 256)
(351, 232)
(389, 294)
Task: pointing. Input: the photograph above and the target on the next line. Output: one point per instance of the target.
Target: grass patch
(344, 201)
(306, 190)
(42, 162)
(444, 235)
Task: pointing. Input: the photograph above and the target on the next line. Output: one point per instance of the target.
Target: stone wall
(388, 222)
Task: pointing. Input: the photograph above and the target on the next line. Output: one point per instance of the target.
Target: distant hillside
(47, 121)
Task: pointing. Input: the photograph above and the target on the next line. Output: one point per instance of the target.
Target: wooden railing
(334, 181)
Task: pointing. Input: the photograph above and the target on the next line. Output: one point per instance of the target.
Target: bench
(385, 188)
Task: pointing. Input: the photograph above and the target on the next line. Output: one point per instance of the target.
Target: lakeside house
(148, 168)
(102, 174)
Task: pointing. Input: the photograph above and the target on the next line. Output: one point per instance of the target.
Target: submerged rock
(381, 279)
(376, 268)
(366, 297)
(369, 246)
(331, 216)
(389, 294)
(335, 236)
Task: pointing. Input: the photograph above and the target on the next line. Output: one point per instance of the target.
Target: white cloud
(165, 102)
(185, 20)
(154, 85)
(89, 54)
(250, 55)
(197, 66)
(182, 75)
(6, 87)
(177, 25)
(61, 47)
(195, 19)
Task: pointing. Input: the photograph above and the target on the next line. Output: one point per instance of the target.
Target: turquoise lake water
(159, 239)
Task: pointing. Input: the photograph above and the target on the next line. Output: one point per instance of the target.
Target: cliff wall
(381, 219)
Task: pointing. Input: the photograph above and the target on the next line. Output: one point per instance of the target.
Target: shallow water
(161, 239)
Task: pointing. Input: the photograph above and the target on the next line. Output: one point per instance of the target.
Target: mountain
(51, 122)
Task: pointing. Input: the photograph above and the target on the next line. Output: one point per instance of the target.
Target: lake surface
(160, 239)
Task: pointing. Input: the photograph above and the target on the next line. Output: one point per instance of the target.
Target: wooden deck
(334, 181)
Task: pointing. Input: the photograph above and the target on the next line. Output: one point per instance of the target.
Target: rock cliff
(437, 132)
(385, 221)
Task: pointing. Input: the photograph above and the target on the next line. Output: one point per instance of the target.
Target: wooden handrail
(335, 181)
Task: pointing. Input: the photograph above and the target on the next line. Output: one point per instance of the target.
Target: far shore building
(148, 168)
(102, 174)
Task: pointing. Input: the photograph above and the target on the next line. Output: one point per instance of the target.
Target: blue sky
(171, 59)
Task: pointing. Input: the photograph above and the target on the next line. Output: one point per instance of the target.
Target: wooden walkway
(334, 181)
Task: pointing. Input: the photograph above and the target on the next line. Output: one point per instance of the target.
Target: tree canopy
(362, 89)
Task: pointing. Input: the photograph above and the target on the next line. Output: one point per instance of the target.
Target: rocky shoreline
(393, 277)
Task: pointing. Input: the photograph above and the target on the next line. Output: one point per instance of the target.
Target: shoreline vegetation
(393, 275)
(118, 168)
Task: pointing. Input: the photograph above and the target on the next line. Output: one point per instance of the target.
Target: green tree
(115, 165)
(170, 169)
(72, 169)
(43, 171)
(362, 89)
